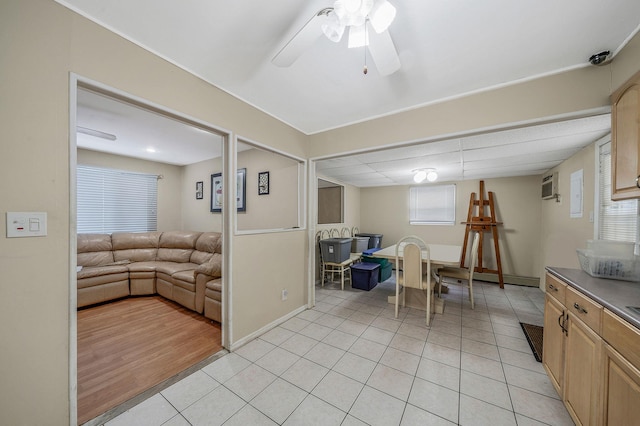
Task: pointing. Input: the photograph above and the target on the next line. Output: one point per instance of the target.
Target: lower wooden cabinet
(621, 390)
(592, 357)
(553, 341)
(583, 356)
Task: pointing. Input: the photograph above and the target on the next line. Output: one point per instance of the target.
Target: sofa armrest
(213, 267)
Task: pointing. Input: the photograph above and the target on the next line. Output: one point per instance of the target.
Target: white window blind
(115, 201)
(432, 205)
(618, 220)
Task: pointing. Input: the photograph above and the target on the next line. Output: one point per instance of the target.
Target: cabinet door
(553, 342)
(582, 372)
(624, 143)
(621, 390)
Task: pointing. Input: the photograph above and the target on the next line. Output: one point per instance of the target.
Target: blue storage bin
(386, 267)
(364, 275)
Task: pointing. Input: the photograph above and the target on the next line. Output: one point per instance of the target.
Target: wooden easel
(482, 224)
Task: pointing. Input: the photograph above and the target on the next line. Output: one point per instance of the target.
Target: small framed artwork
(199, 190)
(263, 183)
(216, 191)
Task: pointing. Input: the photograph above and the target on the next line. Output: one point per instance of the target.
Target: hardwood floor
(128, 346)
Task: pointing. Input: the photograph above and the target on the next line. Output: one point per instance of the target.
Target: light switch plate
(26, 224)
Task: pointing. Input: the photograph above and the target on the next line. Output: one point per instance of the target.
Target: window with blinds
(617, 220)
(115, 201)
(432, 205)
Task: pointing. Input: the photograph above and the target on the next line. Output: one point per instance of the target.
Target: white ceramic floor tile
(442, 354)
(520, 359)
(299, 344)
(391, 381)
(481, 349)
(526, 421)
(479, 413)
(414, 416)
(436, 399)
(315, 412)
(177, 420)
(414, 331)
(362, 317)
(400, 360)
(539, 407)
(338, 390)
(279, 400)
(255, 349)
(376, 408)
(295, 324)
(352, 421)
(440, 374)
(277, 361)
(488, 390)
(530, 380)
(226, 367)
(250, 382)
(378, 335)
(249, 416)
(331, 321)
(391, 325)
(305, 374)
(478, 335)
(316, 331)
(483, 366)
(309, 315)
(189, 390)
(214, 409)
(368, 349)
(340, 339)
(355, 367)
(407, 344)
(324, 354)
(445, 339)
(151, 412)
(352, 327)
(277, 336)
(513, 343)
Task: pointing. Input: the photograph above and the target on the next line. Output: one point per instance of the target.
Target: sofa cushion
(207, 244)
(143, 266)
(136, 255)
(171, 268)
(94, 249)
(213, 267)
(94, 271)
(179, 239)
(131, 240)
(188, 276)
(174, 255)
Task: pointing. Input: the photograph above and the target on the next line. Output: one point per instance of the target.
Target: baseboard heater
(508, 279)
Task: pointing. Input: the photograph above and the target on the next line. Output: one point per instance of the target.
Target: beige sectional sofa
(183, 266)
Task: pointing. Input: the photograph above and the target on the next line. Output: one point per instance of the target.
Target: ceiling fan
(368, 25)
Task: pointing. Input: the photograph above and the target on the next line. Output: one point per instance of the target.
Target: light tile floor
(349, 362)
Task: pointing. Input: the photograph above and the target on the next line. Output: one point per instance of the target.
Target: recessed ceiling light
(151, 150)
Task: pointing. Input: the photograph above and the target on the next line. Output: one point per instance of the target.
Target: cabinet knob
(638, 181)
(552, 287)
(579, 308)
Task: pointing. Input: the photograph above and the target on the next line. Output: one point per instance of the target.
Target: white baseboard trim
(236, 345)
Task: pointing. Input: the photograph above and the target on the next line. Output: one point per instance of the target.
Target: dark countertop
(614, 295)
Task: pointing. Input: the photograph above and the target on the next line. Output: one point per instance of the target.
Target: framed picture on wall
(263, 183)
(216, 191)
(199, 190)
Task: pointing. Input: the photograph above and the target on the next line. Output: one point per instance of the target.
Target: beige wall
(517, 205)
(41, 44)
(196, 214)
(561, 234)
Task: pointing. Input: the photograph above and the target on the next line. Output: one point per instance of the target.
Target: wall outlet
(285, 293)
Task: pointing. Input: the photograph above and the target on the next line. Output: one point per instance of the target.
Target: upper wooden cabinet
(625, 140)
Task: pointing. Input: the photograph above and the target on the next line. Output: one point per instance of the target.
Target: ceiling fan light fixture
(332, 28)
(432, 175)
(382, 15)
(352, 12)
(357, 37)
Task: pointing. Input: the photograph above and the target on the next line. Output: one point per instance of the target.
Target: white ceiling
(447, 49)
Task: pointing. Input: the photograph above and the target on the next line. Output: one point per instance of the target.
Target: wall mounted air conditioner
(550, 186)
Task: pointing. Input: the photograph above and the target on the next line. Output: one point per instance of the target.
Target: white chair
(462, 274)
(415, 252)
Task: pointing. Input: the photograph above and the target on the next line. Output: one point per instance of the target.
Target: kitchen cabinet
(553, 336)
(583, 356)
(625, 140)
(621, 376)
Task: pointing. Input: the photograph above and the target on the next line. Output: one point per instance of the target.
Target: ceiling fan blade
(383, 52)
(302, 40)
